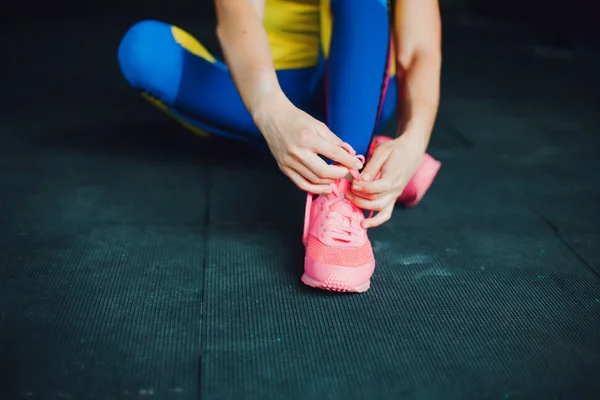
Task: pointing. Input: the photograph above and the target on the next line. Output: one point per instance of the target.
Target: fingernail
(367, 177)
(357, 187)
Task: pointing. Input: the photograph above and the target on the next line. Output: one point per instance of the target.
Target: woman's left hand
(397, 160)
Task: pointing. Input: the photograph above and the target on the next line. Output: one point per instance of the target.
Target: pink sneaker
(421, 180)
(339, 256)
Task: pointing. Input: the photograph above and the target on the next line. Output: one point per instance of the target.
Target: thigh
(208, 93)
(174, 67)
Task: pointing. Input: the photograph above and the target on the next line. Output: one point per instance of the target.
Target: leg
(390, 104)
(180, 76)
(358, 69)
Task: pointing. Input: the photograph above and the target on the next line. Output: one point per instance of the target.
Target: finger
(382, 185)
(303, 184)
(381, 217)
(368, 196)
(336, 153)
(319, 167)
(373, 167)
(324, 132)
(374, 205)
(306, 173)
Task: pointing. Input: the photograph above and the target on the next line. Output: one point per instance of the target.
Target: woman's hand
(296, 139)
(397, 160)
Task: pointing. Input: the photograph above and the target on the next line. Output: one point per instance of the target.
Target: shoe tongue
(345, 206)
(343, 185)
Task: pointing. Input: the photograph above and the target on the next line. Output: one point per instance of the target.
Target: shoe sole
(335, 287)
(335, 278)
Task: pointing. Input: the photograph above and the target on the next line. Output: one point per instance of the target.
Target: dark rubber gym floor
(140, 261)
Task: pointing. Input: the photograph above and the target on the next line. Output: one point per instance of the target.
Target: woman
(289, 66)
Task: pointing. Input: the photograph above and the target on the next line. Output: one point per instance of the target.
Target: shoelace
(341, 223)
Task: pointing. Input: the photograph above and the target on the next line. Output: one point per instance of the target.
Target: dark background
(558, 21)
(138, 261)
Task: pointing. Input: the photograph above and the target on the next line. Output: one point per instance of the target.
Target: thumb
(375, 164)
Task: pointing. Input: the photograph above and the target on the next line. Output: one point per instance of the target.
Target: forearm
(418, 60)
(247, 53)
(418, 96)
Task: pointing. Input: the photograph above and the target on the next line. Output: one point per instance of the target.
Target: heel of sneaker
(337, 279)
(420, 182)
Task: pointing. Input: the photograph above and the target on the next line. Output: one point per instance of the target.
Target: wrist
(265, 104)
(417, 139)
(417, 130)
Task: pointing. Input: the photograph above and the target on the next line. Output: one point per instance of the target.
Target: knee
(151, 60)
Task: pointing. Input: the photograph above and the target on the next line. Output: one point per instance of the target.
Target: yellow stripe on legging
(190, 43)
(164, 108)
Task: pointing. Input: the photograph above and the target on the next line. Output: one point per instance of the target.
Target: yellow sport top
(296, 29)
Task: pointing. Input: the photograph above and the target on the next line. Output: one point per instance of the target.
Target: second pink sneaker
(339, 256)
(421, 180)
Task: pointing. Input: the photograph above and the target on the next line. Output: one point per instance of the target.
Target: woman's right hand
(296, 139)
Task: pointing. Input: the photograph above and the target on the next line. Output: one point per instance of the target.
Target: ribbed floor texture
(141, 262)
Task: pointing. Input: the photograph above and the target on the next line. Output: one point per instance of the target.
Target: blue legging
(350, 91)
